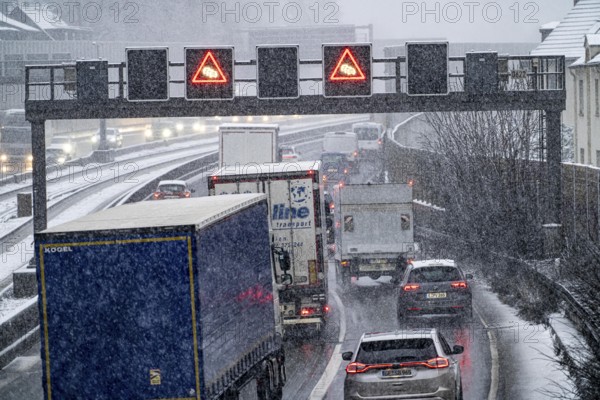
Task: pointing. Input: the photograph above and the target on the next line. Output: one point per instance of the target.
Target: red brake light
(188, 194)
(307, 311)
(410, 287)
(346, 171)
(355, 153)
(379, 141)
(156, 195)
(311, 171)
(345, 263)
(438, 362)
(459, 285)
(356, 368)
(326, 308)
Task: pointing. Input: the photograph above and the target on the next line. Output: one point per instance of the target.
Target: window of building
(582, 156)
(581, 97)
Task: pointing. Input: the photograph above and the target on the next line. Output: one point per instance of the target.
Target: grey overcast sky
(457, 21)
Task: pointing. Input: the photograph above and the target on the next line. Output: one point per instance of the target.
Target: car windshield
(287, 151)
(396, 351)
(367, 133)
(435, 274)
(171, 188)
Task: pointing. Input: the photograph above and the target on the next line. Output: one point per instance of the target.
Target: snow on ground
(531, 349)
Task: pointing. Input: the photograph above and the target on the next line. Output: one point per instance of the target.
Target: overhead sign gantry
(426, 79)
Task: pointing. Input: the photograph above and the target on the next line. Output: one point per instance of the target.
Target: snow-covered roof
(431, 263)
(172, 182)
(593, 39)
(567, 38)
(399, 334)
(198, 211)
(268, 168)
(550, 25)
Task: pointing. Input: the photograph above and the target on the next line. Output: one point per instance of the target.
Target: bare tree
(487, 168)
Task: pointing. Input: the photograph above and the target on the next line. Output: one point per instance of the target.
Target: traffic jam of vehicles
(315, 215)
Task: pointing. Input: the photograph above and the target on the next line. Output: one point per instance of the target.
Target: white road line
(335, 361)
(493, 393)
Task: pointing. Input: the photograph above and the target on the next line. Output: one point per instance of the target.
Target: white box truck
(297, 216)
(242, 144)
(375, 231)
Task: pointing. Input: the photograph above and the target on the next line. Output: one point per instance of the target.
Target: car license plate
(441, 295)
(394, 373)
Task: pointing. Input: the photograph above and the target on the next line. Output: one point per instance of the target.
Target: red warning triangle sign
(209, 71)
(347, 69)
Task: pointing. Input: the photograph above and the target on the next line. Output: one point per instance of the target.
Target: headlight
(68, 148)
(265, 118)
(61, 160)
(94, 139)
(148, 133)
(3, 157)
(29, 158)
(250, 118)
(112, 139)
(179, 127)
(197, 127)
(166, 132)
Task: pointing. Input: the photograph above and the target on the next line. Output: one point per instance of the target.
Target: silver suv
(408, 364)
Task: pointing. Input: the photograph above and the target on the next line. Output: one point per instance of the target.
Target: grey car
(436, 287)
(407, 364)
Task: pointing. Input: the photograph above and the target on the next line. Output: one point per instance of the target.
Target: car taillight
(411, 287)
(307, 311)
(356, 368)
(345, 263)
(459, 285)
(187, 195)
(157, 195)
(438, 362)
(345, 171)
(326, 308)
(379, 142)
(355, 153)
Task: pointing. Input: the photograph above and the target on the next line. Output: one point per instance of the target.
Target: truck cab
(343, 142)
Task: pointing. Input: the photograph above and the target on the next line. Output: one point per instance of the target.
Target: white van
(343, 142)
(370, 138)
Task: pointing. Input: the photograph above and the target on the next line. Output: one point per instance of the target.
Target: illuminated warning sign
(347, 70)
(209, 73)
(155, 377)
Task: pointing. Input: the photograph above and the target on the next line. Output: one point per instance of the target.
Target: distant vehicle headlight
(94, 139)
(112, 139)
(3, 157)
(148, 133)
(61, 160)
(197, 126)
(68, 147)
(29, 158)
(179, 126)
(166, 132)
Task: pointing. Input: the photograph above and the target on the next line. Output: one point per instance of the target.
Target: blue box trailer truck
(168, 299)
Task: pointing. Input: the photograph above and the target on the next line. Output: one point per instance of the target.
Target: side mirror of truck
(284, 260)
(286, 279)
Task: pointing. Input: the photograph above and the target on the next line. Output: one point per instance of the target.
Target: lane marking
(331, 370)
(493, 393)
